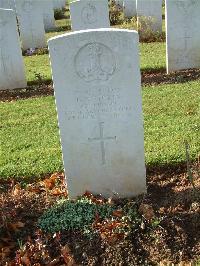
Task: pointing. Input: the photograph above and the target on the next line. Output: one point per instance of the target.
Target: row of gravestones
(97, 85)
(34, 17)
(182, 27)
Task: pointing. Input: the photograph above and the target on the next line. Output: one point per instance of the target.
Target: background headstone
(98, 97)
(59, 4)
(11, 62)
(183, 34)
(129, 7)
(89, 14)
(7, 4)
(48, 14)
(149, 13)
(30, 17)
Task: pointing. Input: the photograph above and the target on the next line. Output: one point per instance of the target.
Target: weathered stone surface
(183, 34)
(11, 61)
(149, 14)
(129, 7)
(89, 14)
(59, 4)
(98, 96)
(31, 24)
(7, 4)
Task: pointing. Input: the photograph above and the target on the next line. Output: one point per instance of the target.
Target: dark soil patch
(171, 234)
(32, 91)
(148, 78)
(155, 78)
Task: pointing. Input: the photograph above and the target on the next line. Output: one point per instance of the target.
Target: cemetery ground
(162, 226)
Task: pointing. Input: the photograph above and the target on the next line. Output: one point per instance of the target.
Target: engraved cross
(102, 139)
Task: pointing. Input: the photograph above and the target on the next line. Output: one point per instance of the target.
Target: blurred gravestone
(58, 4)
(149, 15)
(97, 86)
(11, 62)
(30, 17)
(89, 14)
(183, 34)
(129, 7)
(48, 14)
(7, 4)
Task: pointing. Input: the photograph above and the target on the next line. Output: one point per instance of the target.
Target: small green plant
(130, 24)
(77, 215)
(39, 78)
(115, 13)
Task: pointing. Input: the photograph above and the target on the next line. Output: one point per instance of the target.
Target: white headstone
(89, 14)
(98, 96)
(183, 34)
(11, 62)
(7, 4)
(149, 14)
(31, 24)
(59, 4)
(129, 7)
(48, 14)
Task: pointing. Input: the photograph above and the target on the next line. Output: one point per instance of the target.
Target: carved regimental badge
(95, 62)
(89, 14)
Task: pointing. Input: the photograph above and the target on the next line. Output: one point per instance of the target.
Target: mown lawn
(30, 139)
(152, 59)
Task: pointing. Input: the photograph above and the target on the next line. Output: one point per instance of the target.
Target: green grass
(152, 58)
(37, 64)
(30, 142)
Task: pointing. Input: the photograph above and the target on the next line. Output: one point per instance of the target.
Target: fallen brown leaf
(25, 260)
(15, 226)
(16, 190)
(118, 213)
(147, 211)
(66, 254)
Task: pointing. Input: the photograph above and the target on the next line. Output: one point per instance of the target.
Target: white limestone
(89, 14)
(149, 14)
(183, 34)
(59, 4)
(7, 4)
(129, 7)
(11, 62)
(31, 24)
(98, 96)
(48, 14)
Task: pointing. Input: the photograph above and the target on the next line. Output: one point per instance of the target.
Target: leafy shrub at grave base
(73, 215)
(115, 13)
(112, 221)
(146, 34)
